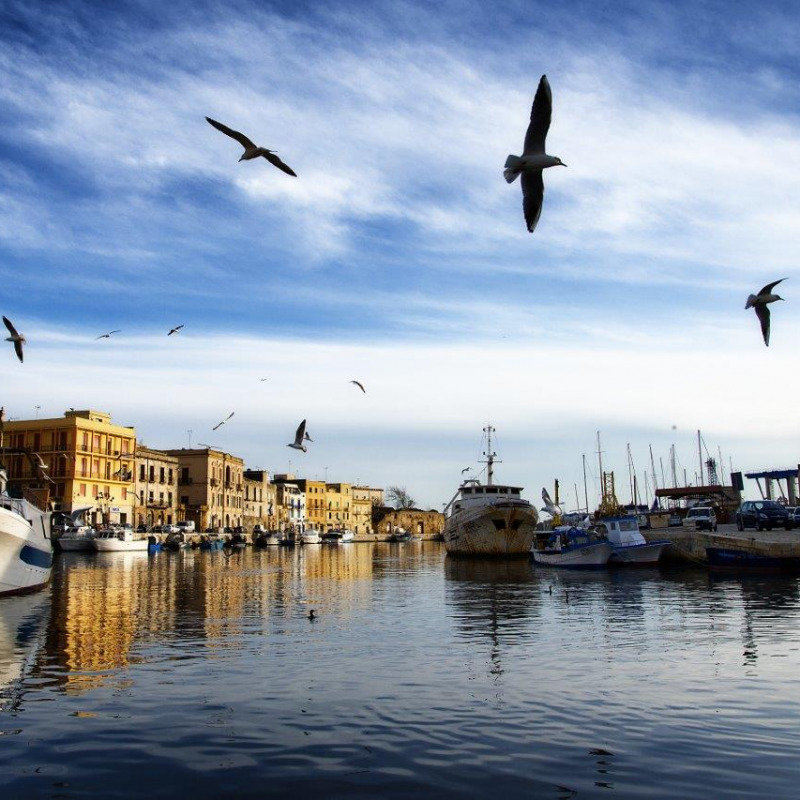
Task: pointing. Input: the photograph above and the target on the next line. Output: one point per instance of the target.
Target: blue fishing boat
(573, 548)
(733, 559)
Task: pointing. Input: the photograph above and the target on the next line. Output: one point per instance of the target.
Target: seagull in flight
(176, 329)
(220, 424)
(106, 335)
(299, 436)
(263, 379)
(466, 469)
(534, 159)
(357, 383)
(250, 149)
(759, 302)
(15, 337)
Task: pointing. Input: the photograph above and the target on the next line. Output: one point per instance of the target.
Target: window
(82, 490)
(141, 473)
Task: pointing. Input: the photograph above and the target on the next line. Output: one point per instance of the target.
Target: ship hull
(26, 554)
(500, 530)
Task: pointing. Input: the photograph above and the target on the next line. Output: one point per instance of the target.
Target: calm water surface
(196, 674)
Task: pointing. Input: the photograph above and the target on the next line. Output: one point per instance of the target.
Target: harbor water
(200, 674)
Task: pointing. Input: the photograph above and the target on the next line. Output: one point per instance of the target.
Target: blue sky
(399, 256)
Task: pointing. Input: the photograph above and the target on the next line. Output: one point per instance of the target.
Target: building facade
(89, 459)
(210, 487)
(259, 500)
(364, 500)
(155, 488)
(290, 503)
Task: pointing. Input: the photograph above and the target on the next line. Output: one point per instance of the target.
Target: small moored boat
(574, 548)
(112, 540)
(311, 536)
(337, 536)
(630, 548)
(77, 535)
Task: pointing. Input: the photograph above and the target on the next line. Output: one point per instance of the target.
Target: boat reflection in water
(23, 626)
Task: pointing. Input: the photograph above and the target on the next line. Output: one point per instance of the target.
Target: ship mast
(490, 455)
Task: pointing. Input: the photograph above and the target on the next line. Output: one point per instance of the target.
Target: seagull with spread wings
(106, 335)
(759, 302)
(176, 329)
(15, 337)
(220, 424)
(299, 436)
(358, 383)
(534, 159)
(251, 150)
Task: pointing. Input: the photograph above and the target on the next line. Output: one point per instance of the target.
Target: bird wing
(532, 197)
(766, 290)
(541, 111)
(175, 330)
(762, 312)
(218, 425)
(229, 416)
(300, 433)
(11, 329)
(466, 469)
(275, 161)
(240, 137)
(18, 349)
(359, 386)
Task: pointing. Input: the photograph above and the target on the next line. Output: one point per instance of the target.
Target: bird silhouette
(759, 302)
(299, 436)
(221, 423)
(176, 329)
(251, 150)
(15, 337)
(534, 159)
(106, 335)
(357, 383)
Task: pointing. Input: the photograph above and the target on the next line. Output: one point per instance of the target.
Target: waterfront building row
(93, 464)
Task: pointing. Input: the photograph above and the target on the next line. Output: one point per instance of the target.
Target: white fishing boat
(124, 540)
(630, 548)
(337, 536)
(77, 535)
(573, 548)
(26, 549)
(311, 536)
(488, 519)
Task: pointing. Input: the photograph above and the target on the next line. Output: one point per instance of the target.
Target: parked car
(169, 528)
(761, 514)
(186, 526)
(701, 518)
(675, 520)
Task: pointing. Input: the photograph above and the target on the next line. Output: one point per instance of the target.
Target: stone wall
(427, 524)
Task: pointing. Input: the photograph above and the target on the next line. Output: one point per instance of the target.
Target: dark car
(761, 514)
(794, 514)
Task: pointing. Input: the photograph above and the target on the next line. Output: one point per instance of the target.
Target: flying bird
(299, 435)
(106, 335)
(550, 506)
(534, 159)
(466, 469)
(250, 149)
(15, 337)
(220, 424)
(759, 302)
(263, 379)
(176, 329)
(357, 383)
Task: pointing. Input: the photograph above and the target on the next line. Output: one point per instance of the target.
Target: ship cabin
(477, 494)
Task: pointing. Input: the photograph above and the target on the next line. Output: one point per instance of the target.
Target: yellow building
(89, 459)
(364, 500)
(316, 506)
(339, 501)
(210, 487)
(259, 500)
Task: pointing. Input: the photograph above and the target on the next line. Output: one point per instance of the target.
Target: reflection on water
(420, 674)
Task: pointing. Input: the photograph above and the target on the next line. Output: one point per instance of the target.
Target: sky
(399, 256)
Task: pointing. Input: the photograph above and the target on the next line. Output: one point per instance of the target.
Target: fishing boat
(573, 548)
(630, 548)
(311, 536)
(114, 540)
(26, 548)
(488, 519)
(337, 536)
(77, 534)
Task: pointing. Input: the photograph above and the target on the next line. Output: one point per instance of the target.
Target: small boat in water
(311, 536)
(573, 548)
(630, 548)
(77, 535)
(113, 540)
(211, 541)
(337, 536)
(26, 548)
(731, 559)
(400, 535)
(487, 519)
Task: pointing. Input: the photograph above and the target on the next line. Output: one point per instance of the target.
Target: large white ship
(26, 550)
(489, 519)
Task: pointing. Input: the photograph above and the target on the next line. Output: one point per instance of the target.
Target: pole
(700, 456)
(585, 492)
